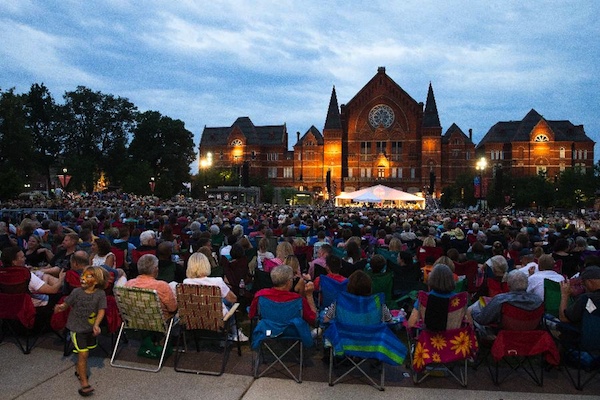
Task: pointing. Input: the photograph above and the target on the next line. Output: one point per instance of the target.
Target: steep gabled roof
(431, 118)
(333, 120)
(255, 135)
(315, 132)
(454, 129)
(520, 131)
(381, 75)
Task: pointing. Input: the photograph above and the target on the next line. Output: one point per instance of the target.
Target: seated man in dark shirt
(589, 300)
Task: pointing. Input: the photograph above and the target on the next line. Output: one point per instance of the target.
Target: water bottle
(402, 315)
(242, 287)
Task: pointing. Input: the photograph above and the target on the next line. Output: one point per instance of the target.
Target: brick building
(384, 136)
(535, 145)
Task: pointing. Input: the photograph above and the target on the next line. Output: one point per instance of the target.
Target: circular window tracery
(381, 115)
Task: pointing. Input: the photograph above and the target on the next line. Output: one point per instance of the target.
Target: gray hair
(517, 281)
(546, 262)
(498, 264)
(147, 264)
(441, 279)
(214, 230)
(281, 274)
(238, 230)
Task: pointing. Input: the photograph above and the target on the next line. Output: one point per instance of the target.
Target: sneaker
(240, 336)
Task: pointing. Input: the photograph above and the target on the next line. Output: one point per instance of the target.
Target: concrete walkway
(46, 374)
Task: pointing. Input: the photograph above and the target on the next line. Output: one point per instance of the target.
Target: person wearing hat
(459, 241)
(590, 300)
(527, 262)
(495, 234)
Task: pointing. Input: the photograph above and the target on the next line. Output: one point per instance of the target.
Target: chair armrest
(231, 312)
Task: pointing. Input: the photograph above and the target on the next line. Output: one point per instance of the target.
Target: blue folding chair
(279, 330)
(584, 354)
(357, 334)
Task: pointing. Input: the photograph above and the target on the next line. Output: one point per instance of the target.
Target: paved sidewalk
(46, 374)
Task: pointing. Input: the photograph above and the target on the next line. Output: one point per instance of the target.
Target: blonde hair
(198, 266)
(446, 261)
(263, 245)
(299, 242)
(100, 276)
(293, 262)
(284, 249)
(395, 244)
(429, 241)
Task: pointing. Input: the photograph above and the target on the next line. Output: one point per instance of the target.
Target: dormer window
(541, 138)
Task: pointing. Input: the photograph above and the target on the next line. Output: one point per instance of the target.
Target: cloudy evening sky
(209, 62)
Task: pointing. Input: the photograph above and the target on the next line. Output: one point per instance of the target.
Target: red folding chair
(425, 252)
(14, 280)
(17, 309)
(518, 349)
(469, 270)
(120, 257)
(136, 254)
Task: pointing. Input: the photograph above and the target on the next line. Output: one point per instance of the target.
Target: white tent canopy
(381, 194)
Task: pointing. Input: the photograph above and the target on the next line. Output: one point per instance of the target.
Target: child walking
(88, 304)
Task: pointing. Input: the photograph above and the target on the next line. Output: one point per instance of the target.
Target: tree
(460, 194)
(97, 128)
(43, 120)
(16, 156)
(167, 147)
(576, 188)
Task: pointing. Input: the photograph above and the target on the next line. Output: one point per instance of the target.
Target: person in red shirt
(283, 278)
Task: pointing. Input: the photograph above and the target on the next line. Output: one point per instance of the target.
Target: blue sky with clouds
(209, 62)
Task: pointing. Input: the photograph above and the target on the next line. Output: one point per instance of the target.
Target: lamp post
(64, 178)
(481, 166)
(152, 184)
(205, 163)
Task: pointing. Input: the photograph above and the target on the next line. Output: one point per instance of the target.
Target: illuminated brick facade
(535, 145)
(383, 135)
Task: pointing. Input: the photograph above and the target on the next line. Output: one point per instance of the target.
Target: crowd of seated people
(514, 253)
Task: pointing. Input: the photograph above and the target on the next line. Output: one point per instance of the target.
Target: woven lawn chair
(201, 315)
(141, 310)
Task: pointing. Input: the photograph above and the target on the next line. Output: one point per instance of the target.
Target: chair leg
(67, 340)
(279, 360)
(331, 366)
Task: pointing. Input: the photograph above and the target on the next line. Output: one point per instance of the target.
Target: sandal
(86, 391)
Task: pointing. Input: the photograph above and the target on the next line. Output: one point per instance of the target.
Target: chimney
(471, 134)
(297, 137)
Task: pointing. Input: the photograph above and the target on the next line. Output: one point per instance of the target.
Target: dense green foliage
(571, 189)
(90, 134)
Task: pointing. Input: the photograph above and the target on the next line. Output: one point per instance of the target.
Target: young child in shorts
(88, 305)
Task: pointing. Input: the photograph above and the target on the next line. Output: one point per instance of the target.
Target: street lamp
(479, 183)
(152, 184)
(205, 163)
